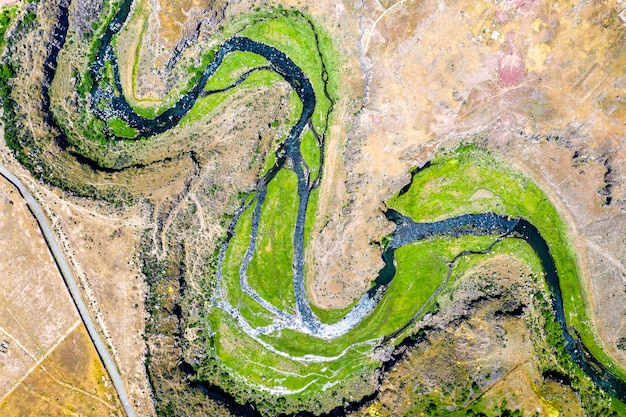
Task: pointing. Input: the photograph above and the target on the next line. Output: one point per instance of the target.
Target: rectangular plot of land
(36, 310)
(14, 364)
(70, 381)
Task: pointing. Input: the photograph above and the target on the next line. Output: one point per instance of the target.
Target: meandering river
(290, 157)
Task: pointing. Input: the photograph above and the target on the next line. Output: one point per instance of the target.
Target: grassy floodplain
(275, 242)
(289, 31)
(206, 105)
(86, 134)
(7, 16)
(120, 128)
(467, 180)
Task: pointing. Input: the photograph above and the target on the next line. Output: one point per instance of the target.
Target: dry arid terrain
(47, 361)
(541, 84)
(431, 75)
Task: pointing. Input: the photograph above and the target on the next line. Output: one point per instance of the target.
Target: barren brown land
(69, 381)
(101, 244)
(47, 361)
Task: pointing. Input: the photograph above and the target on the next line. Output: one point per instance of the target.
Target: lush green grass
(294, 34)
(256, 315)
(269, 159)
(289, 31)
(459, 182)
(237, 351)
(271, 267)
(120, 128)
(422, 268)
(205, 105)
(295, 109)
(619, 407)
(147, 107)
(311, 154)
(513, 247)
(468, 180)
(545, 334)
(332, 315)
(109, 74)
(414, 283)
(7, 16)
(77, 121)
(233, 66)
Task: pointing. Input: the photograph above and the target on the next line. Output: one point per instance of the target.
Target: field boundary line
(40, 360)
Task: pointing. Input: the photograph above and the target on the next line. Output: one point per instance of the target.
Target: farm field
(70, 380)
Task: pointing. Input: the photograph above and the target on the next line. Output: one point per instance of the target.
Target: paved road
(70, 282)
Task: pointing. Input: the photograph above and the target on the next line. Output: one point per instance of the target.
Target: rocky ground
(476, 353)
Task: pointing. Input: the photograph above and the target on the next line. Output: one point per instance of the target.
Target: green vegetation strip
(422, 268)
(206, 105)
(295, 35)
(237, 351)
(234, 66)
(270, 269)
(310, 150)
(255, 314)
(121, 128)
(7, 17)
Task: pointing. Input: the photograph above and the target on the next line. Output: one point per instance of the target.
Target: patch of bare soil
(36, 311)
(70, 381)
(575, 181)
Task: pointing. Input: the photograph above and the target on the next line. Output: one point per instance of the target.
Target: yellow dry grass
(174, 15)
(35, 308)
(70, 381)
